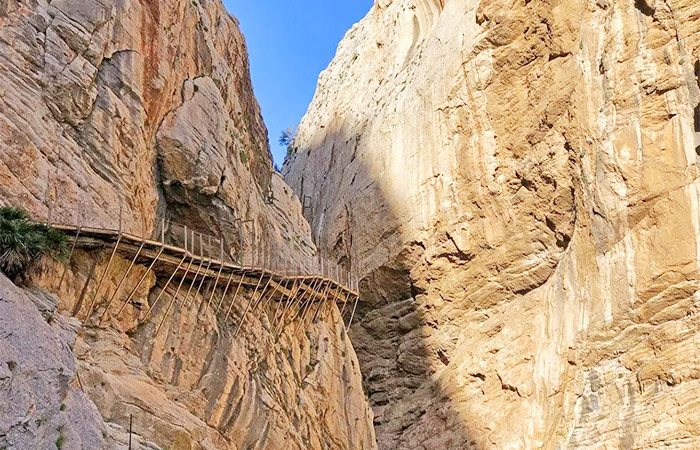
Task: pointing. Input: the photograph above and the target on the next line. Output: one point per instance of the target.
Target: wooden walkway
(224, 280)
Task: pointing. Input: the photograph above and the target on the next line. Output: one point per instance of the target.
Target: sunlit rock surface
(145, 107)
(517, 184)
(139, 109)
(198, 385)
(41, 405)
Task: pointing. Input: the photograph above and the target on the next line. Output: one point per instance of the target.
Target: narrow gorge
(508, 188)
(516, 181)
(140, 116)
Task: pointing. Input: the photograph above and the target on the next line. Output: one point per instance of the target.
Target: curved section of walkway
(181, 265)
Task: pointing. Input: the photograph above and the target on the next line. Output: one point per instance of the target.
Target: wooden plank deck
(171, 256)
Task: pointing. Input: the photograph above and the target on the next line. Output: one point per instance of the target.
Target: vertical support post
(309, 303)
(228, 284)
(305, 297)
(114, 294)
(345, 304)
(357, 299)
(102, 279)
(131, 417)
(277, 308)
(292, 295)
(321, 303)
(262, 294)
(204, 275)
(254, 250)
(240, 242)
(336, 295)
(177, 292)
(240, 282)
(269, 297)
(143, 277)
(250, 303)
(165, 288)
(263, 256)
(201, 264)
(218, 275)
(162, 230)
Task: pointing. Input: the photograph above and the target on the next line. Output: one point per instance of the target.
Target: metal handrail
(327, 272)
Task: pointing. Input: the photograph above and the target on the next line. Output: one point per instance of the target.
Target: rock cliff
(517, 184)
(115, 113)
(143, 106)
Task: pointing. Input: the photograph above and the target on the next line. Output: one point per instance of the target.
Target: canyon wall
(139, 108)
(516, 182)
(198, 383)
(114, 114)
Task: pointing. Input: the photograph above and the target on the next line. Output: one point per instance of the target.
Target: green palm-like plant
(55, 244)
(23, 243)
(10, 213)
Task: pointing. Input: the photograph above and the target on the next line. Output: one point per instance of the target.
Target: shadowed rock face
(517, 183)
(137, 109)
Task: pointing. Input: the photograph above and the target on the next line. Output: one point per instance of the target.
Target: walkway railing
(188, 258)
(176, 234)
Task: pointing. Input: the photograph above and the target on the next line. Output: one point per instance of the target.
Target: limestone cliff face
(142, 109)
(196, 385)
(39, 404)
(147, 106)
(517, 183)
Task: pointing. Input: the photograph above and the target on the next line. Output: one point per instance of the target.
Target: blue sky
(290, 43)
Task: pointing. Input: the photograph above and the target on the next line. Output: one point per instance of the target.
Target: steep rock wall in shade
(516, 182)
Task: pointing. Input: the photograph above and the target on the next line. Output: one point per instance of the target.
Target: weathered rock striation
(196, 384)
(41, 407)
(143, 106)
(517, 184)
(133, 110)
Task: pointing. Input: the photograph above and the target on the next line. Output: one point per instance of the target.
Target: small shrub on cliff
(287, 140)
(61, 439)
(23, 243)
(287, 137)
